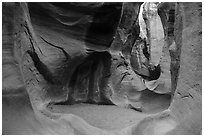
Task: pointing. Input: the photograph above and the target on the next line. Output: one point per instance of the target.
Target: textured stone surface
(59, 54)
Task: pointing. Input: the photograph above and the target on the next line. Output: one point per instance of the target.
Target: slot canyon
(102, 68)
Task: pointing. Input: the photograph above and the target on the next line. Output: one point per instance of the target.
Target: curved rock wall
(184, 44)
(60, 54)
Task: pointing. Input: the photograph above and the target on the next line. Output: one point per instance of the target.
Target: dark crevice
(154, 73)
(171, 21)
(41, 67)
(27, 31)
(136, 109)
(187, 96)
(120, 64)
(145, 50)
(65, 53)
(124, 75)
